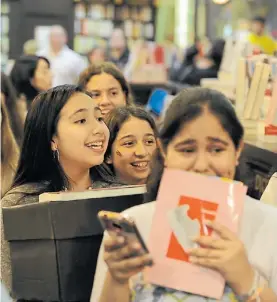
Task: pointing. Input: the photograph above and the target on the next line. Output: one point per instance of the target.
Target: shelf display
(95, 20)
(5, 42)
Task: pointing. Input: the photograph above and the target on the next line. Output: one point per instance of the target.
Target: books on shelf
(182, 211)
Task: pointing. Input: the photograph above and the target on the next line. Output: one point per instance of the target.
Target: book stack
(182, 211)
(267, 130)
(252, 108)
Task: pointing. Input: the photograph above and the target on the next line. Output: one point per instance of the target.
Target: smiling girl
(65, 138)
(201, 134)
(107, 85)
(133, 140)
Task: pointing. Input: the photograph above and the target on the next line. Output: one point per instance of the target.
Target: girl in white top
(201, 133)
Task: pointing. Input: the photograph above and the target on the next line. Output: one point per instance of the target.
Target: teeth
(141, 164)
(95, 145)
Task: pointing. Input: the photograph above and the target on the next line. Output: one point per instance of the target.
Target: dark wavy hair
(114, 121)
(187, 106)
(111, 69)
(16, 121)
(22, 73)
(37, 163)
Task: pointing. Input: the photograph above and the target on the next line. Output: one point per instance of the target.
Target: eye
(150, 142)
(187, 150)
(216, 150)
(100, 119)
(81, 121)
(95, 95)
(128, 144)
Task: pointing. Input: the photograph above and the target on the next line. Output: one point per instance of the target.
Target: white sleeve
(100, 275)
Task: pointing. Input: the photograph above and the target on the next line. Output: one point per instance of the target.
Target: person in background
(30, 47)
(96, 56)
(9, 150)
(107, 85)
(259, 39)
(187, 143)
(16, 108)
(133, 140)
(31, 75)
(118, 51)
(66, 64)
(65, 138)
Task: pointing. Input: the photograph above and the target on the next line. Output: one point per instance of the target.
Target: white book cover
(92, 194)
(253, 90)
(241, 86)
(255, 115)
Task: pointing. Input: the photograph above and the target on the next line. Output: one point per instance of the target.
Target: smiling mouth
(96, 146)
(142, 165)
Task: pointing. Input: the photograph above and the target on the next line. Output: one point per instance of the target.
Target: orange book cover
(185, 202)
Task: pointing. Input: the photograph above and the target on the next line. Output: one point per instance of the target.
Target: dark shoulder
(24, 194)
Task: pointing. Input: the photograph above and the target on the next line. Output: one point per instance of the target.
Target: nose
(104, 101)
(140, 150)
(201, 164)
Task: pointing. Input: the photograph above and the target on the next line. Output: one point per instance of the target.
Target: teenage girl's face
(132, 151)
(107, 92)
(42, 79)
(82, 136)
(203, 146)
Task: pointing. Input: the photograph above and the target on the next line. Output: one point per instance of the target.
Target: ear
(109, 160)
(54, 145)
(239, 150)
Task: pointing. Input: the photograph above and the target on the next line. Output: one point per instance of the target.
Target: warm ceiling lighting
(221, 1)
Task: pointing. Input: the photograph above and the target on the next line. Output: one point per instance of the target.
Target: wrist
(244, 285)
(116, 281)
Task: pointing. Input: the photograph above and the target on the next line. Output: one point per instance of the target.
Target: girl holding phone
(202, 134)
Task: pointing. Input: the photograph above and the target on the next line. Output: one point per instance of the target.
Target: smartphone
(117, 224)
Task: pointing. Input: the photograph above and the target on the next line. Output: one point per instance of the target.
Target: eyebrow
(132, 136)
(78, 111)
(109, 88)
(217, 140)
(84, 110)
(186, 142)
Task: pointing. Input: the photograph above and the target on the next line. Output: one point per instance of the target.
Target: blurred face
(107, 92)
(82, 136)
(201, 149)
(97, 56)
(117, 39)
(132, 151)
(257, 27)
(57, 39)
(42, 79)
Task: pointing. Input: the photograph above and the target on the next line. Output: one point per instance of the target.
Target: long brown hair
(9, 150)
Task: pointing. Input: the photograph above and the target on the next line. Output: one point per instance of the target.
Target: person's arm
(114, 291)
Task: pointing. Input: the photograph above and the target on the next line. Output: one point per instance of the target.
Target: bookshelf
(95, 20)
(5, 42)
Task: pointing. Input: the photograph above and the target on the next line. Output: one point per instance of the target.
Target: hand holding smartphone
(118, 225)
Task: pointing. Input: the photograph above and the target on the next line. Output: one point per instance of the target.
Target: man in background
(259, 39)
(66, 64)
